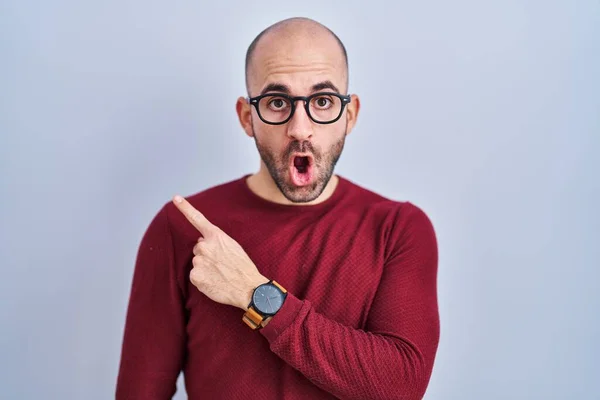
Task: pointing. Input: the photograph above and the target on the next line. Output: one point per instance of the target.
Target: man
(291, 283)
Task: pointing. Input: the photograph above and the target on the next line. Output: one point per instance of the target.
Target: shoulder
(402, 221)
(216, 193)
(399, 211)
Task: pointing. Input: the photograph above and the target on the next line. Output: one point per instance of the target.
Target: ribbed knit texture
(360, 321)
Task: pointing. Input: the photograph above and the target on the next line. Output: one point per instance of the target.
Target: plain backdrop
(485, 114)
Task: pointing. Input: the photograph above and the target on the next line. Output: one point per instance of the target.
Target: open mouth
(301, 164)
(301, 170)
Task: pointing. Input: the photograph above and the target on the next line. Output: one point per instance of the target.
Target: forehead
(298, 62)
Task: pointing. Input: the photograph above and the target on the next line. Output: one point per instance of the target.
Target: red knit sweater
(360, 321)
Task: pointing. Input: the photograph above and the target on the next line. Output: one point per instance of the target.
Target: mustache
(301, 147)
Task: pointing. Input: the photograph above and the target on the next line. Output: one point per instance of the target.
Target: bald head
(285, 36)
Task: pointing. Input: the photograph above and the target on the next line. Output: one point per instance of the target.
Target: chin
(302, 194)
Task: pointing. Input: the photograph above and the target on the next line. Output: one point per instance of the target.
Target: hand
(221, 268)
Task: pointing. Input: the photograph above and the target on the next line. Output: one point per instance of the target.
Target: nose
(300, 126)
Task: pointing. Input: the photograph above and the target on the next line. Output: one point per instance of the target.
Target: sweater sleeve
(154, 337)
(393, 357)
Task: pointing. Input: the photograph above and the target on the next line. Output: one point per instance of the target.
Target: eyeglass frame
(293, 99)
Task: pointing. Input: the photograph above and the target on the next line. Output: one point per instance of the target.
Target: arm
(153, 343)
(393, 357)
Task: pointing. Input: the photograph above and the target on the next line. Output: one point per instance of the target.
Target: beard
(324, 165)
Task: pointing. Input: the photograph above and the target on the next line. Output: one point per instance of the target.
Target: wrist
(249, 289)
(265, 302)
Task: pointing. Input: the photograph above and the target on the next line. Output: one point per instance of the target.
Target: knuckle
(195, 276)
(196, 262)
(199, 248)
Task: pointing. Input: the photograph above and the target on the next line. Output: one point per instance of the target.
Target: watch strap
(253, 319)
(279, 286)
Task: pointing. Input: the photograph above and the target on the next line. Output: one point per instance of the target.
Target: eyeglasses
(278, 108)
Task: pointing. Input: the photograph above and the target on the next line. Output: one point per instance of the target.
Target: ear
(352, 110)
(244, 112)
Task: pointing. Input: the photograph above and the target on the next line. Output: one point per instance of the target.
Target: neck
(263, 185)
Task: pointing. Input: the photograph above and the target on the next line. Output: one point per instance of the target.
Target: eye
(277, 103)
(322, 102)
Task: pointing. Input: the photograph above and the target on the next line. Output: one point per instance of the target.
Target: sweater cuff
(283, 319)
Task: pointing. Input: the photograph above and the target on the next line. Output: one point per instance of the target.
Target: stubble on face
(278, 167)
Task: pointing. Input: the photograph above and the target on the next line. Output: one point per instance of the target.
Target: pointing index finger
(196, 218)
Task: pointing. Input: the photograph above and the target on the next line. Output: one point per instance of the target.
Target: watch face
(267, 299)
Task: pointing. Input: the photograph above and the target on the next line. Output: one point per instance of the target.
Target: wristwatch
(266, 301)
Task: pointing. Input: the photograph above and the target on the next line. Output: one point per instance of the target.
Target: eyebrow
(281, 88)
(275, 87)
(325, 85)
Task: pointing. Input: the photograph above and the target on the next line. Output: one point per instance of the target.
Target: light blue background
(485, 114)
